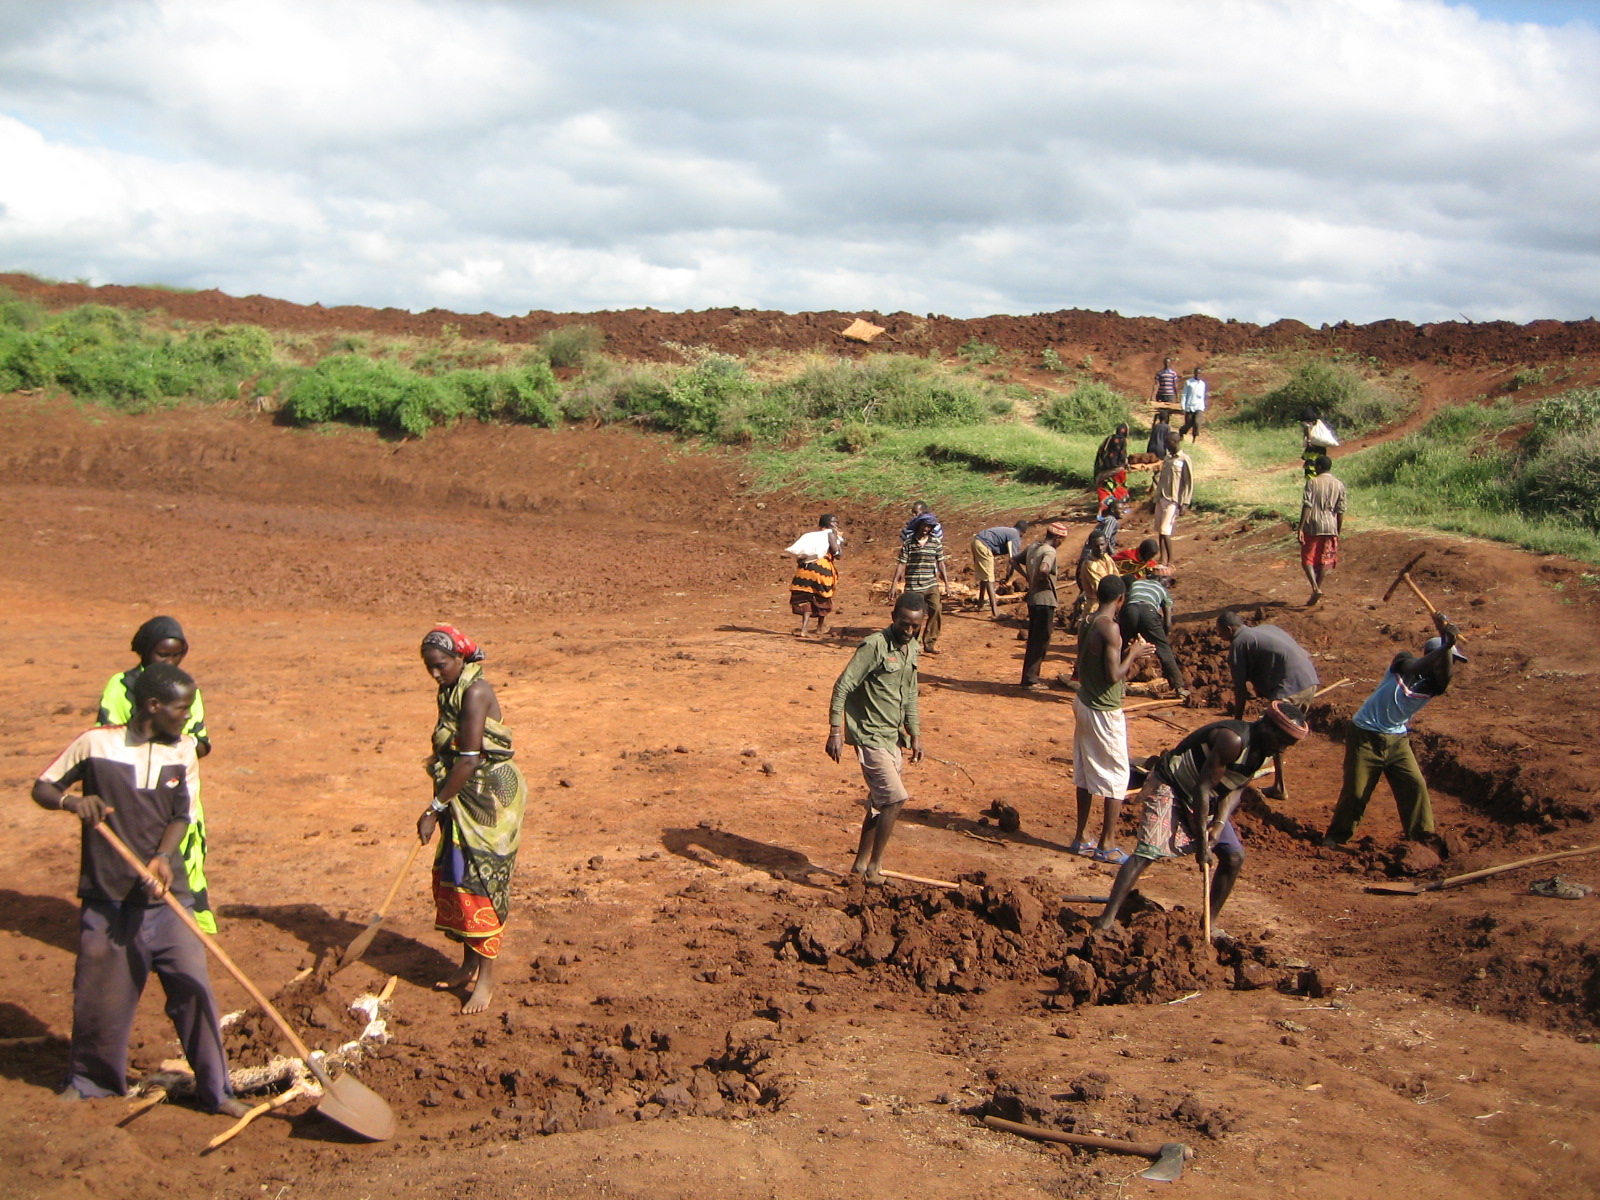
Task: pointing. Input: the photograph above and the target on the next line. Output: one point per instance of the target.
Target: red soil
(706, 1012)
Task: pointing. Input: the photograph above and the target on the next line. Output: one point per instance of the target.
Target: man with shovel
(1379, 740)
(1189, 796)
(137, 778)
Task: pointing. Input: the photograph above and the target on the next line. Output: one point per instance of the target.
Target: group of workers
(1188, 794)
(137, 780)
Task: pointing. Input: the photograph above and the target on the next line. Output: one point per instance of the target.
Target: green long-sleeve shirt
(875, 696)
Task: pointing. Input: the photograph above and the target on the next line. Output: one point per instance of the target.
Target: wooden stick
(264, 1107)
(1133, 708)
(149, 1100)
(940, 883)
(1329, 688)
(1205, 898)
(1142, 1149)
(1471, 876)
(388, 988)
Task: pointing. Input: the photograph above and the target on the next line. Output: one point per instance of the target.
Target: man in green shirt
(874, 709)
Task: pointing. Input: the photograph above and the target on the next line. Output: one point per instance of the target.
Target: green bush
(1574, 411)
(1335, 391)
(1526, 377)
(1563, 480)
(979, 354)
(526, 395)
(886, 389)
(380, 393)
(571, 345)
(1091, 407)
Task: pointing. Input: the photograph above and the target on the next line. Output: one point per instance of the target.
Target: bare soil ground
(690, 1003)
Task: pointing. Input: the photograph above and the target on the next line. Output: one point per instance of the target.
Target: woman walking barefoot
(478, 799)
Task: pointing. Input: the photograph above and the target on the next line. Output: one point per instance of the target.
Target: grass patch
(1336, 391)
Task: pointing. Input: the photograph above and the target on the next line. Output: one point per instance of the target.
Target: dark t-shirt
(1271, 661)
(146, 783)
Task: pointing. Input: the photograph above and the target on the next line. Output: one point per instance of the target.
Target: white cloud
(1322, 159)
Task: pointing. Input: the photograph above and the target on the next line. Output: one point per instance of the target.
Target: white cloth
(810, 545)
(1320, 435)
(1099, 750)
(1166, 516)
(1194, 395)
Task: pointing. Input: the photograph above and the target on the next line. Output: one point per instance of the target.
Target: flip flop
(1113, 856)
(1083, 849)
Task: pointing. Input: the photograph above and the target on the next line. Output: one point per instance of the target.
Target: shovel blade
(1169, 1166)
(357, 948)
(1396, 889)
(348, 1102)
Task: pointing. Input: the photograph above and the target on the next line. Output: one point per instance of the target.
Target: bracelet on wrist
(435, 807)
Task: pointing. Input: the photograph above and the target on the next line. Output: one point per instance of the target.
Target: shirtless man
(1100, 731)
(1189, 797)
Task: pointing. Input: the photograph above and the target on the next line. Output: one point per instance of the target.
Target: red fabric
(1320, 550)
(466, 917)
(464, 645)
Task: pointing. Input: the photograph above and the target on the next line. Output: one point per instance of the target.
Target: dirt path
(665, 1005)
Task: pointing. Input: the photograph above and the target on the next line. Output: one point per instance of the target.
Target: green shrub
(1574, 411)
(979, 354)
(571, 345)
(526, 395)
(1526, 377)
(380, 393)
(1052, 360)
(1563, 479)
(1335, 391)
(1091, 407)
(885, 389)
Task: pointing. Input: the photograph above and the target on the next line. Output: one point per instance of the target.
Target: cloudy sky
(1318, 159)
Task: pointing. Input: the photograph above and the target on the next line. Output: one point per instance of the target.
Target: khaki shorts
(982, 561)
(881, 769)
(1166, 517)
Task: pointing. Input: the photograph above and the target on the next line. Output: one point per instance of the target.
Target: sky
(1323, 160)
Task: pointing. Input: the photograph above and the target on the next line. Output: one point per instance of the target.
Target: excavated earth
(691, 1002)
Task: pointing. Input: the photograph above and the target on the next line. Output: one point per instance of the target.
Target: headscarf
(909, 532)
(155, 631)
(1057, 529)
(452, 641)
(1285, 723)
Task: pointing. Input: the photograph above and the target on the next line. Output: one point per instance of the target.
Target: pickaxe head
(1402, 573)
(1169, 1165)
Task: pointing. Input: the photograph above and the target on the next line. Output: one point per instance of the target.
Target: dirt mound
(643, 333)
(548, 1079)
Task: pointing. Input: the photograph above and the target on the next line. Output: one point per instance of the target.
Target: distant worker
(1378, 742)
(1189, 797)
(988, 547)
(1147, 614)
(920, 514)
(1039, 566)
(1141, 561)
(1174, 493)
(816, 575)
(874, 709)
(1193, 404)
(1099, 729)
(921, 569)
(1160, 429)
(1113, 452)
(1268, 659)
(1321, 525)
(1165, 392)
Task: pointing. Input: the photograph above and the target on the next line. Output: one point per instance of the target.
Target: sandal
(1559, 887)
(1083, 849)
(1113, 856)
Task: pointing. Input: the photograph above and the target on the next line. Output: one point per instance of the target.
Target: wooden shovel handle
(394, 887)
(1143, 1149)
(1426, 603)
(210, 944)
(1469, 877)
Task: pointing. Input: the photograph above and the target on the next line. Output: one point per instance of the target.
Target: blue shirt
(1390, 707)
(1002, 539)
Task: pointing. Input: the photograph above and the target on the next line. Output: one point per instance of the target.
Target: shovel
(357, 948)
(1439, 885)
(1169, 1156)
(345, 1101)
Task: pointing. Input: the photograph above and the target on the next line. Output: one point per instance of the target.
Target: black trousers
(1191, 424)
(1144, 620)
(1041, 622)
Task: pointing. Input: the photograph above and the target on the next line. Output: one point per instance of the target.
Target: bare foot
(479, 1000)
(460, 978)
(232, 1107)
(873, 876)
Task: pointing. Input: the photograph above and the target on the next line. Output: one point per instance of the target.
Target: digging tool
(266, 1106)
(345, 1101)
(1169, 1156)
(939, 883)
(358, 947)
(1329, 688)
(1405, 577)
(1205, 898)
(1167, 703)
(1439, 885)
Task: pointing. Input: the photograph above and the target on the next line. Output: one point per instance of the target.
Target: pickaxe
(1169, 1156)
(1405, 577)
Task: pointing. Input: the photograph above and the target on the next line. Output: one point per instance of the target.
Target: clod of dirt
(1413, 858)
(1156, 957)
(1005, 815)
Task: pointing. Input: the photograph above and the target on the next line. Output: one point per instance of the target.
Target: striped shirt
(1166, 384)
(922, 561)
(1148, 591)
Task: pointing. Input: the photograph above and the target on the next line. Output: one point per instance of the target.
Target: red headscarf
(452, 640)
